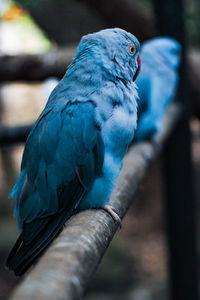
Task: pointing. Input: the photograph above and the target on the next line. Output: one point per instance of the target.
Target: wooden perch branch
(14, 134)
(36, 67)
(64, 270)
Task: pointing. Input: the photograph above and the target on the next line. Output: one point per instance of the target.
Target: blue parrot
(156, 84)
(74, 152)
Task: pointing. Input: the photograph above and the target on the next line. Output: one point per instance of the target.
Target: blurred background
(38, 39)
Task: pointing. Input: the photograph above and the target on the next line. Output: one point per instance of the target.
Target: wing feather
(63, 156)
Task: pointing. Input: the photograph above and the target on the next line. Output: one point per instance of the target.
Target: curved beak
(138, 68)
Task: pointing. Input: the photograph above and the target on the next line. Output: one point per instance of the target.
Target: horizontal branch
(14, 134)
(65, 269)
(36, 67)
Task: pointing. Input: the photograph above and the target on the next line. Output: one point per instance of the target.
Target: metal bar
(63, 272)
(180, 199)
(181, 217)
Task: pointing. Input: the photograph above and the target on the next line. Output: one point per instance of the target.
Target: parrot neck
(84, 78)
(93, 69)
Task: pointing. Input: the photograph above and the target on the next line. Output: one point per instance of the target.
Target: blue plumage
(73, 155)
(156, 84)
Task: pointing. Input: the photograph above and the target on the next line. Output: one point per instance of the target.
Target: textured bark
(63, 272)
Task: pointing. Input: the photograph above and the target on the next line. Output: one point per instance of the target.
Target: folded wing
(63, 156)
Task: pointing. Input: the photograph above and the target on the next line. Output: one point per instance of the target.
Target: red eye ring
(132, 49)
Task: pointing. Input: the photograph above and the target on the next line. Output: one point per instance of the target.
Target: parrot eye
(132, 49)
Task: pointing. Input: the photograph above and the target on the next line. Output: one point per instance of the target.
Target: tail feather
(23, 255)
(39, 233)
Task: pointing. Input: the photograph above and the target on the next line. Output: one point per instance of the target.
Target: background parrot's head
(164, 48)
(114, 51)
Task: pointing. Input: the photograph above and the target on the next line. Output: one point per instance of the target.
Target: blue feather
(156, 84)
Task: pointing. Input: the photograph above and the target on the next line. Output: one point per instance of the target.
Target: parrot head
(115, 51)
(164, 48)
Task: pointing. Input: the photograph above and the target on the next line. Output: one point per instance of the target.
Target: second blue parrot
(156, 84)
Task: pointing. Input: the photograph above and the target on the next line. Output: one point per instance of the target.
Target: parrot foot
(113, 213)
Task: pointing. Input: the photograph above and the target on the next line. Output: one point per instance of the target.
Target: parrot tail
(33, 240)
